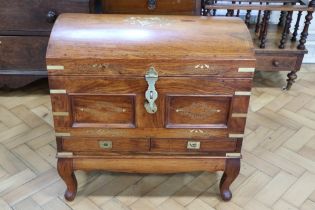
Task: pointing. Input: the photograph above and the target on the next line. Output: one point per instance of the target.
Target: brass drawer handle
(151, 94)
(106, 144)
(193, 145)
(151, 4)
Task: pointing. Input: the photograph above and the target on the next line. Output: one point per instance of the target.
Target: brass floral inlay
(109, 107)
(210, 69)
(86, 68)
(202, 66)
(148, 21)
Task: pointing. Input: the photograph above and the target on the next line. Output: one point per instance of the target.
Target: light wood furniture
(127, 97)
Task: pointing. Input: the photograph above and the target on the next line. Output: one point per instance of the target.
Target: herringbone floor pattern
(278, 166)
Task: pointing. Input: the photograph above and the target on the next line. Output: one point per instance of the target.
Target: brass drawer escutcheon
(106, 144)
(193, 145)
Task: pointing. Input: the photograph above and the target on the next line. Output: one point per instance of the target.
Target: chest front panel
(197, 105)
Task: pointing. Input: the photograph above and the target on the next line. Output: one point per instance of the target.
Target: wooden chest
(149, 94)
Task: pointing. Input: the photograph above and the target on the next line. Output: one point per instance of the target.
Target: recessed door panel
(115, 111)
(197, 111)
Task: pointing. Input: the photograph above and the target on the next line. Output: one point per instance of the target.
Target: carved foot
(232, 169)
(291, 79)
(66, 172)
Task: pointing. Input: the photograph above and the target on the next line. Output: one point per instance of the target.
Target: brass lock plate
(106, 144)
(193, 145)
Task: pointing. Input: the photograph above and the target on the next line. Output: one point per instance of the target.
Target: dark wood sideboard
(25, 27)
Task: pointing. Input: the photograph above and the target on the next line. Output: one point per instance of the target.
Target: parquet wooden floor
(278, 166)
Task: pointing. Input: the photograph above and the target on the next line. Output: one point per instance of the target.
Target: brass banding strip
(58, 91)
(246, 70)
(233, 155)
(242, 93)
(239, 114)
(236, 135)
(52, 67)
(62, 134)
(64, 154)
(60, 113)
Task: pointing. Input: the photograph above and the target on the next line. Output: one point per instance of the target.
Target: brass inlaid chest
(162, 94)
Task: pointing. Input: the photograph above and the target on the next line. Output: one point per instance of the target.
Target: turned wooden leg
(291, 79)
(232, 169)
(66, 172)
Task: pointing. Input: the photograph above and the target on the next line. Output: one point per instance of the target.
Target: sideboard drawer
(187, 7)
(192, 145)
(23, 52)
(34, 15)
(75, 144)
(276, 63)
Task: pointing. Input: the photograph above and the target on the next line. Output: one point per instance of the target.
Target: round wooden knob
(51, 16)
(276, 63)
(151, 4)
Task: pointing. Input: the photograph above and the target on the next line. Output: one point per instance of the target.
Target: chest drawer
(34, 15)
(107, 145)
(187, 7)
(192, 145)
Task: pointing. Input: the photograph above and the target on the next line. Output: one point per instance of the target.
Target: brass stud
(236, 135)
(62, 134)
(246, 70)
(51, 67)
(239, 114)
(58, 91)
(242, 93)
(60, 114)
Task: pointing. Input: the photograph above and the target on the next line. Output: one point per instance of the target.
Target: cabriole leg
(66, 172)
(232, 169)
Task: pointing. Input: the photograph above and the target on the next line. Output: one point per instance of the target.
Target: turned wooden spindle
(258, 20)
(214, 11)
(238, 11)
(304, 33)
(296, 28)
(247, 16)
(286, 29)
(265, 29)
(230, 12)
(262, 25)
(281, 18)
